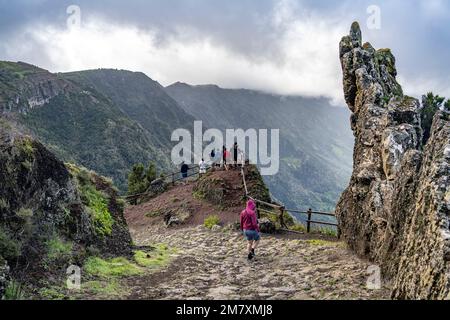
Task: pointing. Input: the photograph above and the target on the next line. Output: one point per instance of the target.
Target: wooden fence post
(283, 225)
(308, 223)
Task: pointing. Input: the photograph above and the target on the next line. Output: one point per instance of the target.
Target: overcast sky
(279, 46)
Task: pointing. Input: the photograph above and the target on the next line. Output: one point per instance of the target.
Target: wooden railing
(170, 178)
(261, 206)
(282, 210)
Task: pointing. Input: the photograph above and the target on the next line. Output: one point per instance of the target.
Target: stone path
(212, 265)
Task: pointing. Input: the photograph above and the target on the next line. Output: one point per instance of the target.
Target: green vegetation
(257, 187)
(96, 201)
(105, 289)
(116, 267)
(9, 248)
(211, 221)
(159, 257)
(58, 249)
(298, 227)
(98, 205)
(52, 293)
(139, 179)
(430, 105)
(14, 291)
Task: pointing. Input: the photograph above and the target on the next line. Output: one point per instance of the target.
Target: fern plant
(14, 291)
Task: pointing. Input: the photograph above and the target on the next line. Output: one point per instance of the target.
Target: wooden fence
(282, 210)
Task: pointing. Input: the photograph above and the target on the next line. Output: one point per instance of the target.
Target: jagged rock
(395, 210)
(267, 226)
(178, 217)
(44, 201)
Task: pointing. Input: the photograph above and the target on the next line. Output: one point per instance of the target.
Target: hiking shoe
(250, 256)
(253, 252)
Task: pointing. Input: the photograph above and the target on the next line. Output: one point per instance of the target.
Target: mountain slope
(140, 98)
(315, 141)
(81, 124)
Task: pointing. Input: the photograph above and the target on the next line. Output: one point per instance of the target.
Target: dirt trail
(212, 265)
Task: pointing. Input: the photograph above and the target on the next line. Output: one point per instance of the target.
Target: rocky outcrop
(53, 215)
(395, 210)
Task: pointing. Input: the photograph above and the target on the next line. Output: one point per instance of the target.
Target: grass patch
(211, 221)
(159, 257)
(58, 249)
(298, 227)
(116, 267)
(9, 248)
(111, 288)
(98, 207)
(14, 291)
(52, 293)
(320, 243)
(96, 201)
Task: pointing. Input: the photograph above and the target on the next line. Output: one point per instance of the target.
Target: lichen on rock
(395, 211)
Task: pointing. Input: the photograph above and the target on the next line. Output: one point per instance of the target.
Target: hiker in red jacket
(249, 225)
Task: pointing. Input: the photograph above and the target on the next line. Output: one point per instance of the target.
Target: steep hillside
(396, 208)
(52, 215)
(76, 122)
(316, 143)
(141, 99)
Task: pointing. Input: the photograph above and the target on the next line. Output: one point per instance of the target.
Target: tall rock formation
(396, 209)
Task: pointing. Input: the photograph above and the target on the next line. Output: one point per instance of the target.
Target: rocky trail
(212, 265)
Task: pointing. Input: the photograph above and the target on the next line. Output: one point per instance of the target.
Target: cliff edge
(396, 209)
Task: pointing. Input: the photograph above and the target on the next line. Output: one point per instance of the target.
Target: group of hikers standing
(248, 217)
(224, 159)
(227, 158)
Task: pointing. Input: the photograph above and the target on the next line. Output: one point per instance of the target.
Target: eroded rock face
(51, 216)
(395, 210)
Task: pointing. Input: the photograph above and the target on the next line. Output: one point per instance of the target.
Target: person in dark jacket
(235, 154)
(250, 227)
(184, 170)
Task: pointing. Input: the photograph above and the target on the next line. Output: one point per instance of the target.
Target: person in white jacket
(202, 166)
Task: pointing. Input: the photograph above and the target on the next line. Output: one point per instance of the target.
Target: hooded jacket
(249, 220)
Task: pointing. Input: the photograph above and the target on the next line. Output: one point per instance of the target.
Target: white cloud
(306, 63)
(418, 87)
(308, 47)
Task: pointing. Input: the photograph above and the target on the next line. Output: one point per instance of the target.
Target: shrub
(14, 291)
(98, 205)
(58, 249)
(139, 179)
(158, 257)
(430, 105)
(211, 221)
(9, 248)
(298, 227)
